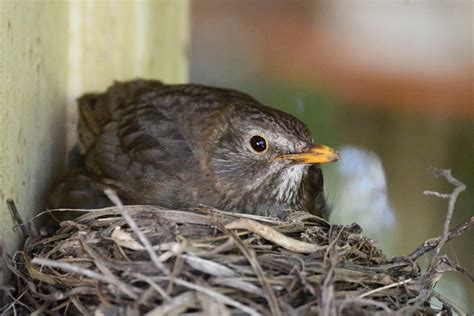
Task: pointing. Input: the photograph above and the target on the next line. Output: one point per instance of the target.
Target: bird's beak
(315, 155)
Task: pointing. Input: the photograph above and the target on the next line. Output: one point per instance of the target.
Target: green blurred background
(392, 81)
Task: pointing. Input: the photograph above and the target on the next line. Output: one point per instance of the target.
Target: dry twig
(115, 199)
(432, 243)
(452, 197)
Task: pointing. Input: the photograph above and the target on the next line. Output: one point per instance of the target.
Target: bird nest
(131, 260)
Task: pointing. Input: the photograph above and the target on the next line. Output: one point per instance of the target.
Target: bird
(183, 145)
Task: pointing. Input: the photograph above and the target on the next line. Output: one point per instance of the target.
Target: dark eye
(259, 143)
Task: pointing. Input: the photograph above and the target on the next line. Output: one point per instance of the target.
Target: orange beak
(315, 155)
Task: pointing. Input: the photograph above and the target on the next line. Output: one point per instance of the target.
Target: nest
(133, 260)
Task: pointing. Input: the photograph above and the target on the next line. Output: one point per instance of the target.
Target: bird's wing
(96, 110)
(127, 135)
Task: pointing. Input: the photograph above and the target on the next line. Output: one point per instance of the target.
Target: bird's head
(262, 154)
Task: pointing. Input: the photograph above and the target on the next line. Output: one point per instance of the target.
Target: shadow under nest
(133, 260)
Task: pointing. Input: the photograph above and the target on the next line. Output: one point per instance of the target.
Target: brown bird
(179, 146)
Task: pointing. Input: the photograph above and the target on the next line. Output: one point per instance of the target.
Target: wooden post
(53, 51)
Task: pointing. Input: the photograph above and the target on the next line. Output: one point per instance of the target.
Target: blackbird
(179, 146)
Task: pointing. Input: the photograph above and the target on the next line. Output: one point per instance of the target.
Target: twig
(332, 245)
(155, 286)
(460, 269)
(80, 307)
(437, 264)
(274, 236)
(327, 306)
(71, 268)
(379, 289)
(218, 296)
(331, 256)
(430, 244)
(212, 210)
(15, 301)
(363, 301)
(146, 243)
(175, 306)
(17, 218)
(8, 262)
(459, 187)
(250, 255)
(99, 263)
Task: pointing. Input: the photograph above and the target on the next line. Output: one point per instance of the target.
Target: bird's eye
(259, 143)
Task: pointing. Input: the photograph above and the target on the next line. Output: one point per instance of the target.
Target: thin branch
(363, 301)
(154, 285)
(146, 243)
(216, 295)
(17, 218)
(437, 194)
(274, 236)
(459, 187)
(71, 268)
(252, 259)
(327, 306)
(15, 301)
(386, 287)
(432, 243)
(100, 264)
